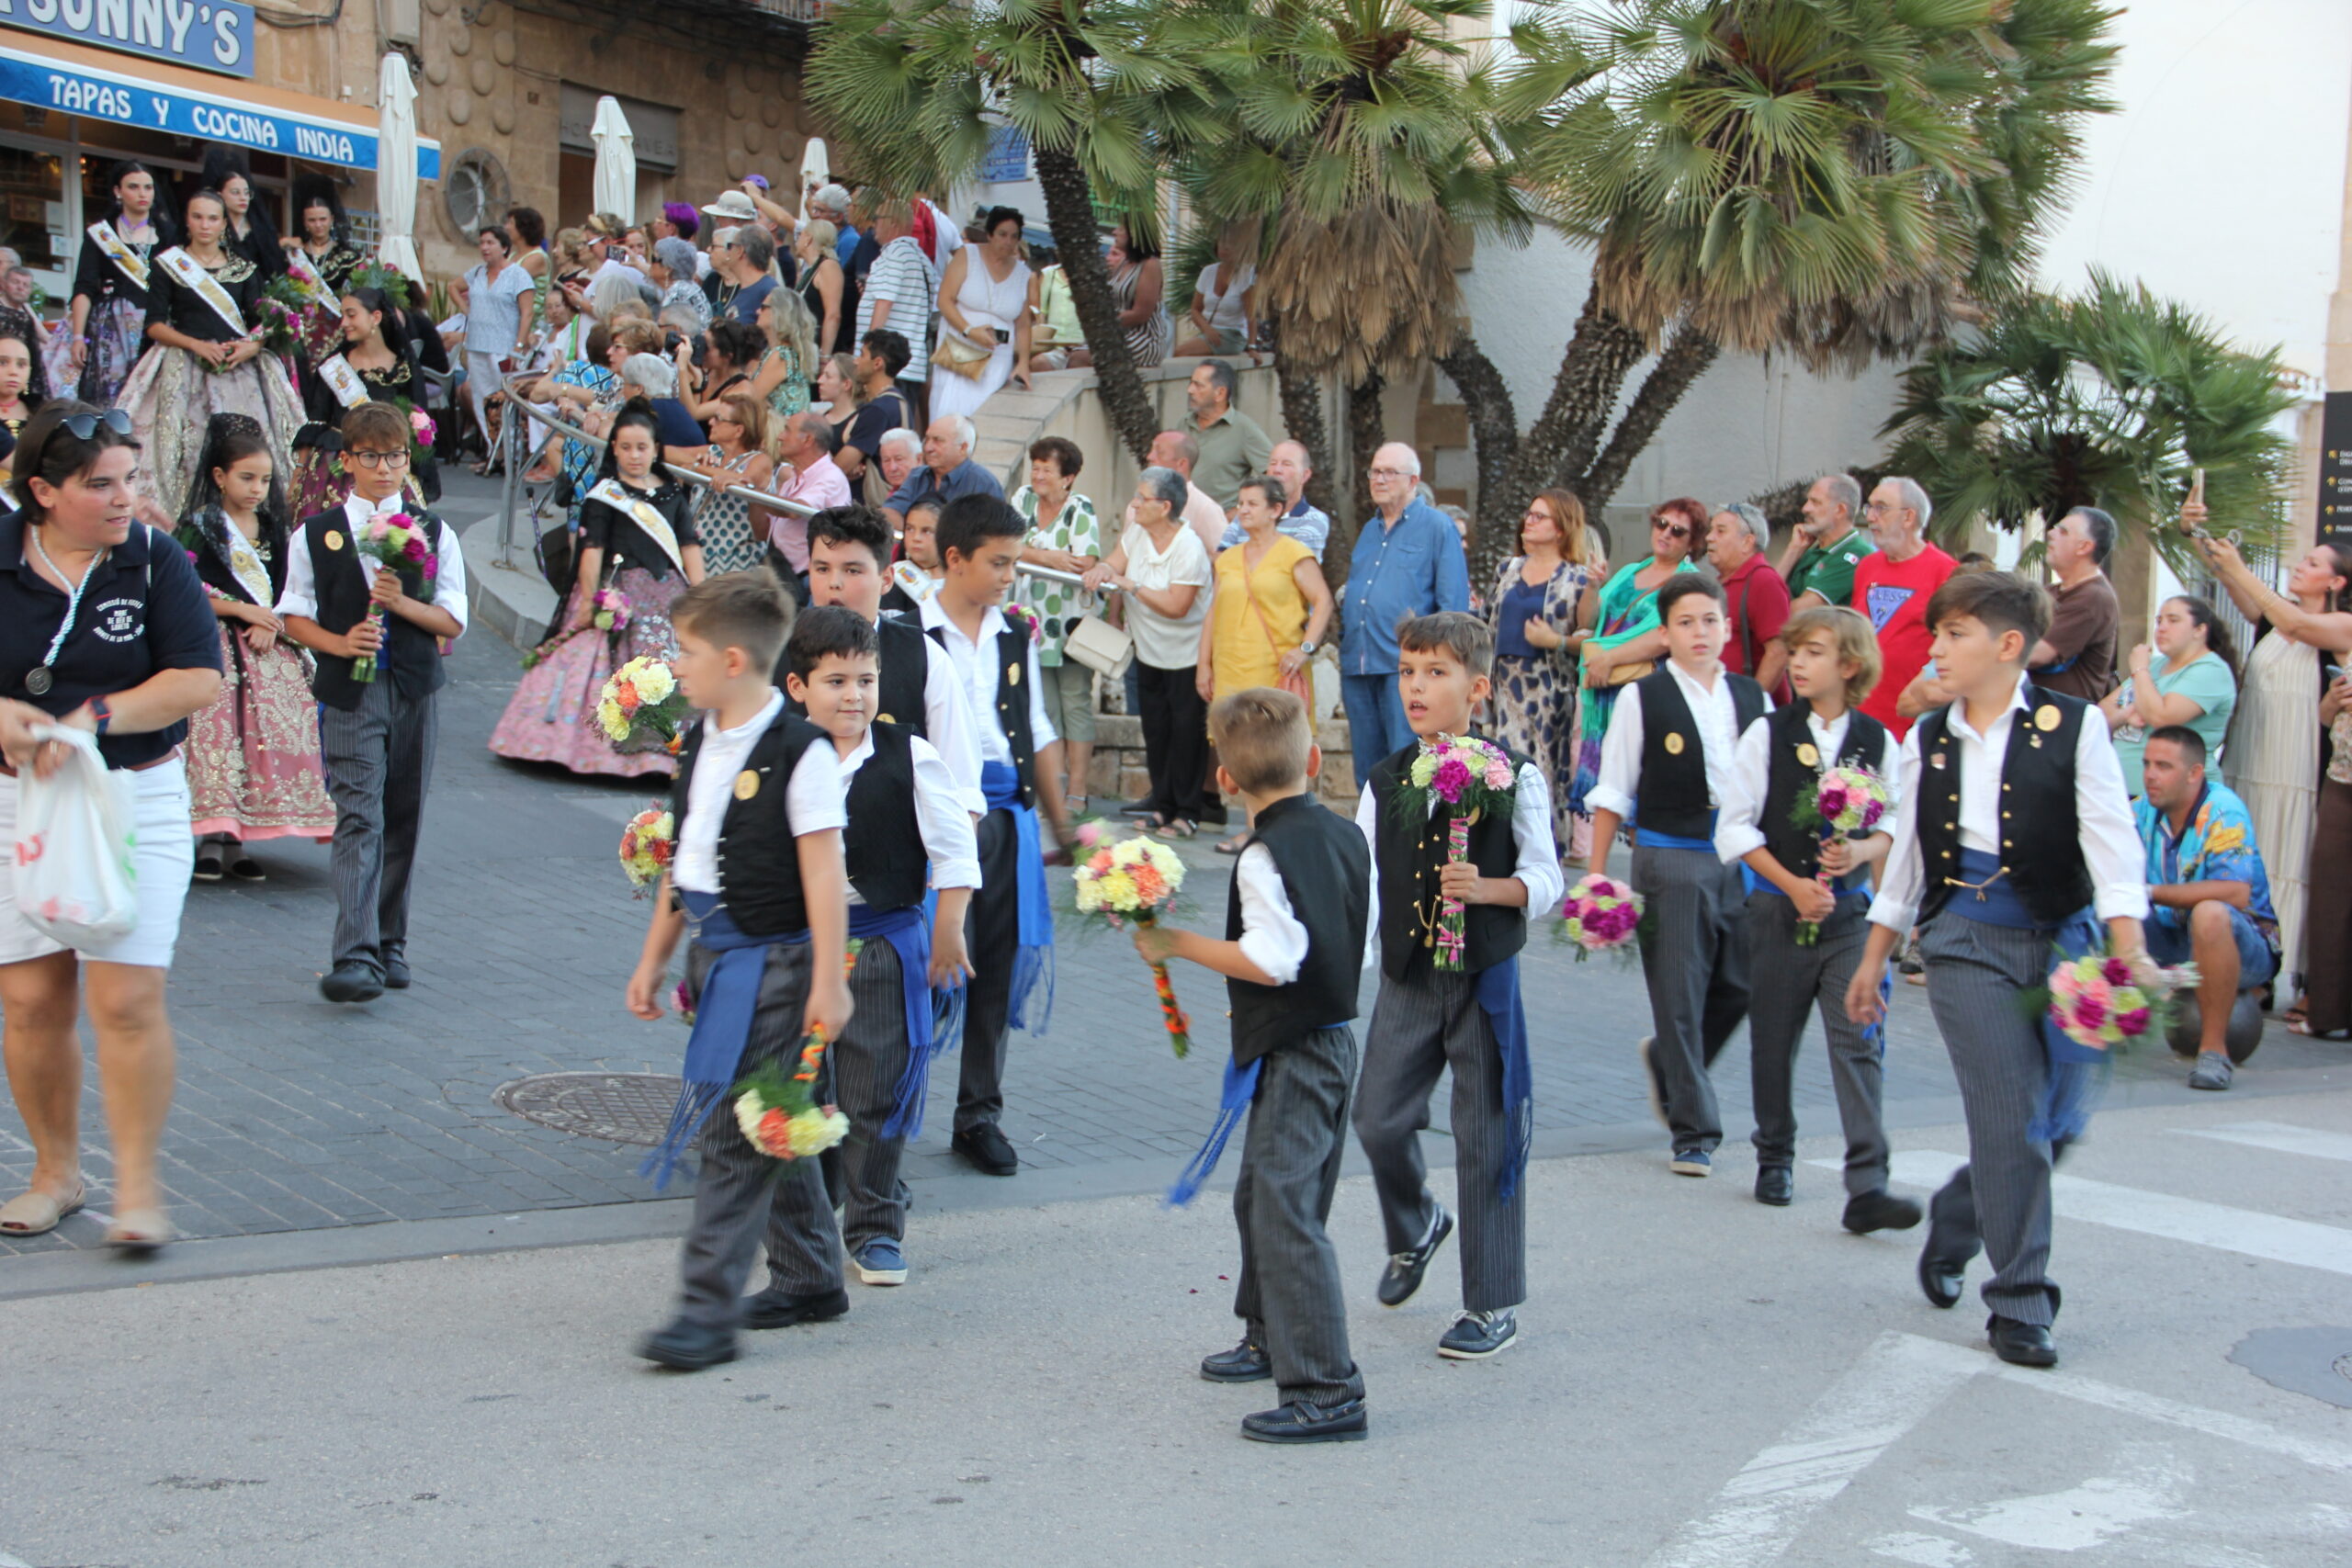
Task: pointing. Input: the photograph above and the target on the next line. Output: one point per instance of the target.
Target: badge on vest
(1936, 760)
(884, 718)
(333, 540)
(1013, 674)
(2045, 718)
(747, 785)
(1807, 755)
(1673, 744)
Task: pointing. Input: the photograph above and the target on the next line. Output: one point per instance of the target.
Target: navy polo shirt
(143, 611)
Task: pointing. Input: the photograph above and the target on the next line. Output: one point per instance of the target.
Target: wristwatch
(1307, 648)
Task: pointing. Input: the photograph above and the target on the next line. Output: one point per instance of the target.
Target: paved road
(1702, 1384)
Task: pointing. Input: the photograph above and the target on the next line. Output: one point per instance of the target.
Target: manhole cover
(626, 1108)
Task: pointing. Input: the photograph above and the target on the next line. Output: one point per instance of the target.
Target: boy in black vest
(1666, 767)
(908, 830)
(758, 875)
(1293, 958)
(2015, 837)
(1010, 935)
(917, 689)
(1833, 662)
(1470, 1018)
(377, 735)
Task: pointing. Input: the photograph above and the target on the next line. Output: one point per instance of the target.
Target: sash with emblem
(118, 250)
(343, 381)
(190, 274)
(306, 277)
(642, 512)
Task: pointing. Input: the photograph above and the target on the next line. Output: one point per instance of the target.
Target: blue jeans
(2169, 942)
(1376, 724)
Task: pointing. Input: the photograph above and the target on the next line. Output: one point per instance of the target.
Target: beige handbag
(1100, 647)
(959, 355)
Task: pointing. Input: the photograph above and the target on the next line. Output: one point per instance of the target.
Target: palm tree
(1107, 91)
(1843, 179)
(2108, 400)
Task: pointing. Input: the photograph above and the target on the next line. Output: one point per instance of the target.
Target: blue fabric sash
(908, 934)
(1652, 840)
(1499, 998)
(2078, 1073)
(723, 1012)
(1240, 1089)
(1033, 964)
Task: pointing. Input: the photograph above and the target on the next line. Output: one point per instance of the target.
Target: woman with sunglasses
(1626, 637)
(739, 455)
(104, 628)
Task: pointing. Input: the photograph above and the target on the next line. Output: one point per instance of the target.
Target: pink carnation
(2115, 972)
(2134, 1023)
(1452, 778)
(1498, 773)
(2090, 1012)
(1871, 812)
(415, 549)
(1830, 802)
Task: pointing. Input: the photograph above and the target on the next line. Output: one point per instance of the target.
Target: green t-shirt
(1060, 605)
(1829, 569)
(2205, 682)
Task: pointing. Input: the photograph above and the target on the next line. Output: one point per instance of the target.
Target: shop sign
(210, 35)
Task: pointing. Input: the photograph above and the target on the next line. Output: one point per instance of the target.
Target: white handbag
(1100, 647)
(74, 880)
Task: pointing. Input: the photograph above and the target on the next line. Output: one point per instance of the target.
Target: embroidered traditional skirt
(171, 398)
(552, 715)
(252, 756)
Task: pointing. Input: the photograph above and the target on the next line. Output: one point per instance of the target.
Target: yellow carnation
(615, 722)
(814, 1132)
(654, 683)
(1424, 769)
(1117, 890)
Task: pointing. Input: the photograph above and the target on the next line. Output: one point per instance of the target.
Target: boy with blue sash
(758, 876)
(1469, 1019)
(1666, 768)
(2014, 838)
(1807, 898)
(908, 829)
(1292, 959)
(1011, 934)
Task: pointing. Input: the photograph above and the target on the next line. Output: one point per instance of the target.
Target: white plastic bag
(76, 881)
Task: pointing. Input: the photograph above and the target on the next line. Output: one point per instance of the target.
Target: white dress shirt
(300, 596)
(979, 677)
(940, 813)
(1531, 826)
(2110, 840)
(948, 725)
(1620, 751)
(1739, 816)
(1272, 936)
(813, 794)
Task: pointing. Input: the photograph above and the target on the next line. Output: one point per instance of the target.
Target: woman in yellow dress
(1270, 609)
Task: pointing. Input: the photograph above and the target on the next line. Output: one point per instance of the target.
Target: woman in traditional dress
(252, 756)
(325, 238)
(202, 359)
(16, 401)
(637, 537)
(1540, 598)
(251, 234)
(113, 285)
(1625, 629)
(379, 372)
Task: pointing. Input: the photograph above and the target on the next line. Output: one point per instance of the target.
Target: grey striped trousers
(1420, 1026)
(1974, 973)
(740, 1192)
(1694, 957)
(378, 761)
(1790, 982)
(1290, 1294)
(862, 1171)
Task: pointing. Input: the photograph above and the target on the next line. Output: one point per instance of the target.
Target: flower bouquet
(2099, 1002)
(779, 1114)
(641, 708)
(1845, 802)
(1135, 879)
(1023, 617)
(1468, 777)
(1599, 915)
(396, 542)
(609, 610)
(277, 324)
(648, 844)
(421, 428)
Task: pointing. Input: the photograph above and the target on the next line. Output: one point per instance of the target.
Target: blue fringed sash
(2077, 1073)
(1240, 1089)
(1032, 963)
(908, 934)
(1499, 998)
(723, 1013)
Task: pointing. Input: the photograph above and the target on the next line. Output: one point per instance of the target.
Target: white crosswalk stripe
(2284, 1137)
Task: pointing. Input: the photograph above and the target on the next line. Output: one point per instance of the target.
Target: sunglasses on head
(83, 426)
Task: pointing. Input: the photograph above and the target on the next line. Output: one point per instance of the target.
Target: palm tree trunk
(1303, 421)
(1494, 432)
(1367, 431)
(1686, 358)
(1069, 213)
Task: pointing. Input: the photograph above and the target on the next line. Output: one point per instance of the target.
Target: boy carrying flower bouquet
(1805, 782)
(377, 626)
(758, 878)
(2013, 837)
(1458, 862)
(1293, 958)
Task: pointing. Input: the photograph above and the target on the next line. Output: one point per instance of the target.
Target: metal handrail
(521, 412)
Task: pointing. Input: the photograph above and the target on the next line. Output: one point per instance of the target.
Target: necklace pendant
(39, 681)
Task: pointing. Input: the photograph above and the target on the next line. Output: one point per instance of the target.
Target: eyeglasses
(1390, 474)
(83, 426)
(380, 459)
(1671, 530)
(1880, 508)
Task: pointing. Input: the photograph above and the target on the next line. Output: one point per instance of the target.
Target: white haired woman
(1163, 568)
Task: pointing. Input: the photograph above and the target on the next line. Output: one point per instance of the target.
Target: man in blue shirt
(1408, 562)
(2210, 895)
(947, 469)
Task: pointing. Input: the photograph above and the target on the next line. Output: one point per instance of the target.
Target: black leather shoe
(1244, 1363)
(688, 1347)
(1299, 1422)
(1879, 1210)
(2020, 1344)
(986, 1149)
(1402, 1275)
(395, 973)
(1940, 1278)
(1775, 1185)
(351, 983)
(773, 1309)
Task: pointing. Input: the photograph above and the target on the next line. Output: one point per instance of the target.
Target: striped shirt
(903, 275)
(493, 309)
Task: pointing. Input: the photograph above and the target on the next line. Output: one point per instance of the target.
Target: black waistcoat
(1799, 849)
(2041, 846)
(409, 656)
(884, 847)
(1012, 704)
(1327, 873)
(901, 668)
(1410, 851)
(1672, 794)
(759, 863)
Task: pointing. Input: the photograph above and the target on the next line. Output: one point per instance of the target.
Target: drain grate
(622, 1108)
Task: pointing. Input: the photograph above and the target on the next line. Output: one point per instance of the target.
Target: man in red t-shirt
(1757, 593)
(1892, 588)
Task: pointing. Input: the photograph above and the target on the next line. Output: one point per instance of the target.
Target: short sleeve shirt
(1829, 569)
(2083, 628)
(1075, 529)
(1893, 595)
